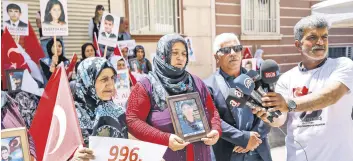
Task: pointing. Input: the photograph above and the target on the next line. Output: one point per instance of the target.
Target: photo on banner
(109, 30)
(14, 144)
(135, 65)
(54, 17)
(15, 17)
(14, 79)
(122, 86)
(249, 64)
(192, 56)
(130, 44)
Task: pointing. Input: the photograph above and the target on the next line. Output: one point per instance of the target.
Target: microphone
(238, 96)
(269, 72)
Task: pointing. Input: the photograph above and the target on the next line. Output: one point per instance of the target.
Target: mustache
(318, 47)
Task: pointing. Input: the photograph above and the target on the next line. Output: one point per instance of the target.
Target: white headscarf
(114, 61)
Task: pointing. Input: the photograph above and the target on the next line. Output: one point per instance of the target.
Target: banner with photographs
(192, 56)
(15, 18)
(54, 17)
(109, 30)
(122, 86)
(129, 44)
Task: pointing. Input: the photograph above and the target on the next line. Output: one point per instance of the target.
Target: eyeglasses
(228, 50)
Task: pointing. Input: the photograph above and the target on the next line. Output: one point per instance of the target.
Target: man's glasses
(228, 50)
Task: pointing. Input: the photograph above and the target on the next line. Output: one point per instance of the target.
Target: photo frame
(188, 116)
(14, 144)
(14, 78)
(134, 65)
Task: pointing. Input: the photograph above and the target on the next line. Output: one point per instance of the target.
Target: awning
(338, 12)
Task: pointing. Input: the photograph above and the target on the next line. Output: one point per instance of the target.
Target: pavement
(278, 153)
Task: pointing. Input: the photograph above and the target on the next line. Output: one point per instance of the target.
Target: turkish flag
(247, 54)
(132, 78)
(96, 45)
(11, 57)
(71, 67)
(117, 51)
(32, 45)
(55, 128)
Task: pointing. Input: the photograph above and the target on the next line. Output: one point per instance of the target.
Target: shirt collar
(16, 23)
(228, 77)
(303, 69)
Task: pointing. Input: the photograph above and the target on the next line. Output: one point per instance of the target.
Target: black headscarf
(50, 53)
(174, 80)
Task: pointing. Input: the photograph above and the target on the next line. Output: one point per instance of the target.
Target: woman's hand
(176, 143)
(55, 59)
(83, 154)
(212, 138)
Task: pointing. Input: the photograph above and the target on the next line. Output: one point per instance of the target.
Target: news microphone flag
(55, 128)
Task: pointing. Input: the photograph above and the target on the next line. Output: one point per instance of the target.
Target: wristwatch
(291, 105)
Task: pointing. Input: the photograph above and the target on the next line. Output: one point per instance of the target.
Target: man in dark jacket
(14, 12)
(244, 136)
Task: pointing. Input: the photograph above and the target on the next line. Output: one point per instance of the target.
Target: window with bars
(154, 16)
(336, 52)
(260, 17)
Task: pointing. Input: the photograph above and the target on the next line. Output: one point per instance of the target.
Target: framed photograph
(249, 64)
(134, 65)
(15, 17)
(54, 17)
(14, 144)
(14, 79)
(188, 116)
(109, 30)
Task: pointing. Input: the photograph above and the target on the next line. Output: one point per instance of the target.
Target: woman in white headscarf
(258, 57)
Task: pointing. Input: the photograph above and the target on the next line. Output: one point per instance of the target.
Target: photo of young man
(108, 27)
(14, 12)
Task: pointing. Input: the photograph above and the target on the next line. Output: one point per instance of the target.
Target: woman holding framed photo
(149, 117)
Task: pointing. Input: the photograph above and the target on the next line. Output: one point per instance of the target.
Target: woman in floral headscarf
(148, 116)
(97, 114)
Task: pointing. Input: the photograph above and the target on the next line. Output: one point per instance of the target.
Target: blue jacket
(236, 125)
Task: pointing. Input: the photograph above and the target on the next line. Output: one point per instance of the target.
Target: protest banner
(111, 149)
(123, 87)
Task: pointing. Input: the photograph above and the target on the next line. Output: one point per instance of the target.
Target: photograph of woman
(54, 13)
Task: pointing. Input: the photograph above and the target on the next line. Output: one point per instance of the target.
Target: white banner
(107, 148)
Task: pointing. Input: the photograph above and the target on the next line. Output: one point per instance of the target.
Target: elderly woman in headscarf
(49, 64)
(144, 65)
(148, 116)
(97, 114)
(258, 57)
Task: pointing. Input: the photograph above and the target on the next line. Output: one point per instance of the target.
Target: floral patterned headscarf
(173, 80)
(96, 117)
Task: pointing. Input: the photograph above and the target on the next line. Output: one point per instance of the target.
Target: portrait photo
(14, 145)
(130, 44)
(134, 65)
(192, 56)
(188, 116)
(14, 79)
(249, 64)
(122, 80)
(15, 18)
(54, 18)
(109, 30)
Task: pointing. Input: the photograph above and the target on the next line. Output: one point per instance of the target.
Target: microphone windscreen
(244, 83)
(269, 71)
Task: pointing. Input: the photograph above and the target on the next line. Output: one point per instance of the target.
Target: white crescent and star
(59, 113)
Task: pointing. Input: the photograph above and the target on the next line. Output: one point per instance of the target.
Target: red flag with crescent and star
(55, 128)
(71, 67)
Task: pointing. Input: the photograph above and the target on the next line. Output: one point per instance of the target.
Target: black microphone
(269, 72)
(238, 96)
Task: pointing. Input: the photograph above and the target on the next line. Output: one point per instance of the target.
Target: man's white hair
(222, 38)
(312, 21)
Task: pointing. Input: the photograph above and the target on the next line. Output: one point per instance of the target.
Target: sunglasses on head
(228, 50)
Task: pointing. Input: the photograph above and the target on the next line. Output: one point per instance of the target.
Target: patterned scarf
(96, 117)
(166, 79)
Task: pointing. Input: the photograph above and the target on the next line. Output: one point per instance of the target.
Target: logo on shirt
(307, 116)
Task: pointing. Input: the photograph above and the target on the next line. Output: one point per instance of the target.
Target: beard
(315, 53)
